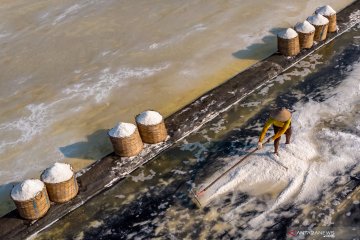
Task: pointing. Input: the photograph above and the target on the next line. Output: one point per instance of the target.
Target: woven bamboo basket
(127, 146)
(289, 47)
(306, 40)
(332, 23)
(152, 133)
(34, 208)
(320, 32)
(63, 191)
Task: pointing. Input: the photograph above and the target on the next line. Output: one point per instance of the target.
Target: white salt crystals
(325, 10)
(149, 118)
(122, 130)
(59, 172)
(304, 27)
(318, 20)
(27, 189)
(288, 34)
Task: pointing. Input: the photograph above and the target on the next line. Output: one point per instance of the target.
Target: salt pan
(318, 20)
(122, 130)
(325, 10)
(27, 189)
(287, 34)
(304, 27)
(59, 172)
(149, 118)
(313, 158)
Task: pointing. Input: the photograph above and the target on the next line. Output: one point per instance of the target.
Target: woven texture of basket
(152, 133)
(127, 146)
(34, 208)
(320, 32)
(306, 40)
(63, 191)
(289, 47)
(332, 23)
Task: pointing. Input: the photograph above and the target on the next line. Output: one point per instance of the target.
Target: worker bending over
(281, 121)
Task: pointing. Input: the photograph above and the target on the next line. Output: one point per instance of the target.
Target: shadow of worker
(96, 146)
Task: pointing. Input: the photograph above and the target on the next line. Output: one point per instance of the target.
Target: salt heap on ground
(304, 27)
(27, 189)
(122, 130)
(288, 34)
(318, 20)
(59, 172)
(149, 118)
(325, 10)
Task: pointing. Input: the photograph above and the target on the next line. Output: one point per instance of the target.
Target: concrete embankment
(111, 169)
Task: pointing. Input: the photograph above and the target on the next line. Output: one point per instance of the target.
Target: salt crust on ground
(317, 153)
(304, 27)
(122, 130)
(325, 10)
(59, 172)
(288, 34)
(318, 20)
(149, 118)
(27, 189)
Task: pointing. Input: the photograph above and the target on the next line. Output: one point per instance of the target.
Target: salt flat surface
(316, 154)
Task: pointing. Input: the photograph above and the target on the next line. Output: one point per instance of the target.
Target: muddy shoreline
(109, 170)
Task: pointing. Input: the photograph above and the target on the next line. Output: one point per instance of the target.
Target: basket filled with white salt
(288, 42)
(151, 127)
(60, 182)
(31, 199)
(306, 33)
(126, 139)
(330, 14)
(321, 26)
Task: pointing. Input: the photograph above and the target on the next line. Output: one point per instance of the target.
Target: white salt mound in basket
(318, 20)
(59, 172)
(304, 27)
(27, 189)
(326, 10)
(149, 118)
(288, 34)
(122, 130)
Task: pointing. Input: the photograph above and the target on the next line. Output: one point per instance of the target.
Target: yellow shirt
(283, 125)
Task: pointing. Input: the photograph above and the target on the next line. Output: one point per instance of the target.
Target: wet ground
(259, 199)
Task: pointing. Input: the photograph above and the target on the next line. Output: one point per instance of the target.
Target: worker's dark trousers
(287, 134)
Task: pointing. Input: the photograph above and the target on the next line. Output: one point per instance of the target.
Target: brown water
(71, 69)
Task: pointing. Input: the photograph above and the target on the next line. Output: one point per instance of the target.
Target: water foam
(179, 37)
(27, 126)
(100, 87)
(39, 117)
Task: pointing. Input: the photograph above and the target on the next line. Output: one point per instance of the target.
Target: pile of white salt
(325, 10)
(57, 173)
(122, 130)
(318, 20)
(149, 118)
(304, 27)
(27, 189)
(287, 34)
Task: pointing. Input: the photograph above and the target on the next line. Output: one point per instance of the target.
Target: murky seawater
(259, 200)
(71, 69)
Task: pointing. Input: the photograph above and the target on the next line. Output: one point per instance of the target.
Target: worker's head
(281, 114)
